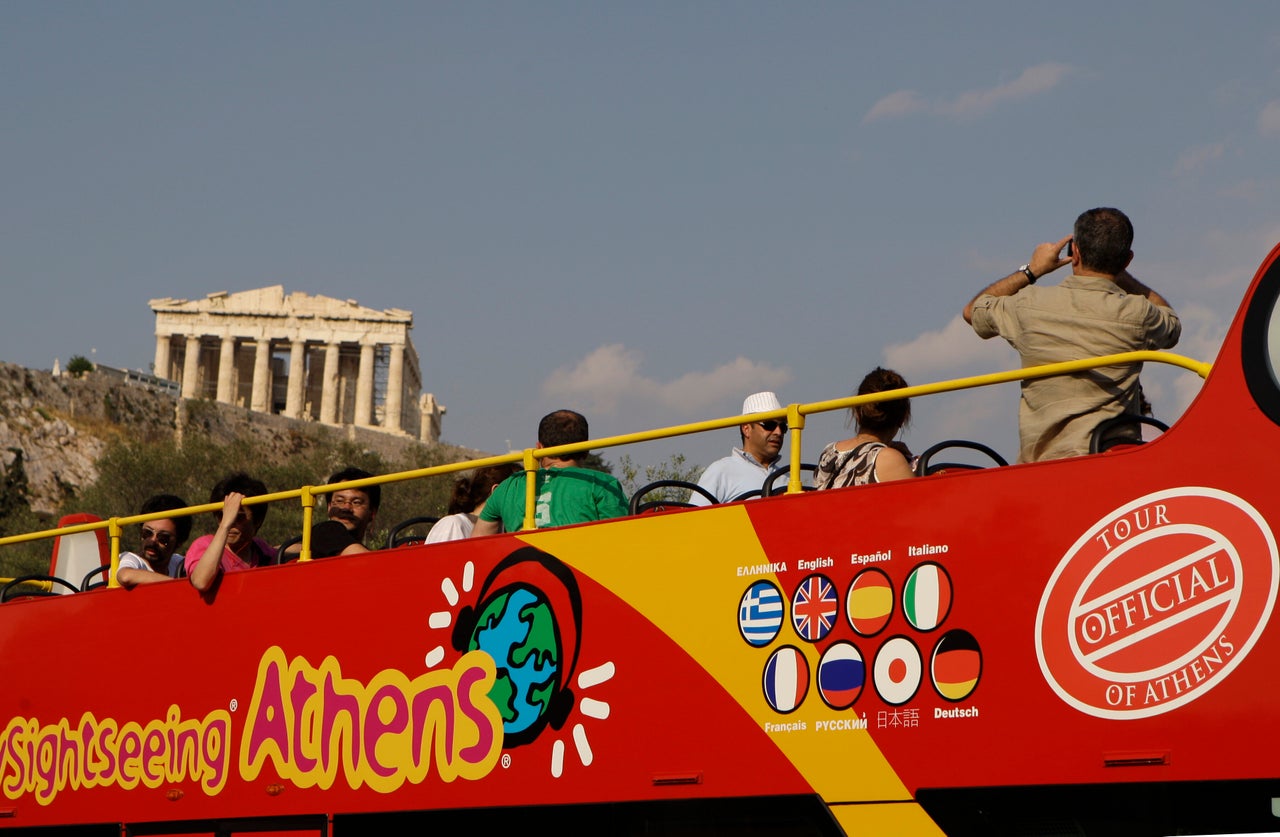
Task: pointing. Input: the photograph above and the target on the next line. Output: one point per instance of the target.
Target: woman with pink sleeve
(234, 546)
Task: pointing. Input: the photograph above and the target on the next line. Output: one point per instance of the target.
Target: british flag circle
(815, 607)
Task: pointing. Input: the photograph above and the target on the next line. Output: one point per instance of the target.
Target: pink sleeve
(197, 548)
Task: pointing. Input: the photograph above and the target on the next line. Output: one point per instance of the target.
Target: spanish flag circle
(870, 602)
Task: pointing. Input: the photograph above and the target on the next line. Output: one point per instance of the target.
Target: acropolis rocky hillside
(61, 425)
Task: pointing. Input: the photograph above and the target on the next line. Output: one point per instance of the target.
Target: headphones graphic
(547, 578)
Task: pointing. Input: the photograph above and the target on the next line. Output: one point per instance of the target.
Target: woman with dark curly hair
(871, 456)
(234, 545)
(469, 496)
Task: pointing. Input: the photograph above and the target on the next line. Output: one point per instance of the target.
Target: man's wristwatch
(1031, 277)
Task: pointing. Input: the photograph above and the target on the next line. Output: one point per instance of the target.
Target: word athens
(310, 721)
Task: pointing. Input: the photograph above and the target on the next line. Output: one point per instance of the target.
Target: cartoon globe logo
(518, 629)
(516, 624)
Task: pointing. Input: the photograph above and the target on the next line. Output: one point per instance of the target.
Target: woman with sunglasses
(234, 546)
(871, 456)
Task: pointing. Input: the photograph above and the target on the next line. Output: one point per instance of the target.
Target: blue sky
(640, 210)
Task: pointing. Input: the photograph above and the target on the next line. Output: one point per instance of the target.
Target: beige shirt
(1083, 317)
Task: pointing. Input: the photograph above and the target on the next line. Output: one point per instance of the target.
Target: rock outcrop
(54, 429)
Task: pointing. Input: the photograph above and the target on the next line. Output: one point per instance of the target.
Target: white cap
(760, 402)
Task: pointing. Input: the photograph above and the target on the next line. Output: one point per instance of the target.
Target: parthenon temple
(301, 356)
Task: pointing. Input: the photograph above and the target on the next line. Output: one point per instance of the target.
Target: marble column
(191, 367)
(329, 385)
(261, 401)
(297, 378)
(227, 371)
(395, 389)
(161, 369)
(364, 387)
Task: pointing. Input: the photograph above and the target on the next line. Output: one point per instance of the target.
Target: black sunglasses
(162, 538)
(771, 425)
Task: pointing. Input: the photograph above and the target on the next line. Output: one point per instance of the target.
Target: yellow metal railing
(528, 458)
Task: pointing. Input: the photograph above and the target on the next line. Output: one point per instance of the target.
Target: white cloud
(1245, 190)
(988, 415)
(1269, 119)
(946, 350)
(608, 379)
(1033, 81)
(1203, 330)
(898, 103)
(1194, 159)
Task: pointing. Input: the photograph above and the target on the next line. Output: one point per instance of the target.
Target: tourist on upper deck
(746, 468)
(872, 455)
(233, 546)
(159, 559)
(566, 492)
(1100, 309)
(469, 496)
(350, 511)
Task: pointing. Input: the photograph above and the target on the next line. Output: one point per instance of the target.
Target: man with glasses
(746, 468)
(160, 560)
(351, 511)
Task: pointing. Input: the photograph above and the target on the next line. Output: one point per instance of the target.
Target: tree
(16, 516)
(13, 486)
(595, 462)
(78, 365)
(131, 470)
(634, 477)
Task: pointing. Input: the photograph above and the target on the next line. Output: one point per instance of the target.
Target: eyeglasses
(770, 426)
(349, 502)
(162, 538)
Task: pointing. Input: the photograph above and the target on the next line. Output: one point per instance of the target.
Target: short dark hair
(169, 502)
(882, 415)
(373, 492)
(1104, 240)
(563, 427)
(241, 483)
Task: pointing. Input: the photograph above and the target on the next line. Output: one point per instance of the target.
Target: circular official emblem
(1157, 603)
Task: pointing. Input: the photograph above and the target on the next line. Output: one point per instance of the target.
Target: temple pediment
(272, 301)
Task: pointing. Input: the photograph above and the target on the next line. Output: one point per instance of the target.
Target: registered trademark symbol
(235, 704)
(506, 760)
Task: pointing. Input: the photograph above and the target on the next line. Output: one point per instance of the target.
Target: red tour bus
(1081, 646)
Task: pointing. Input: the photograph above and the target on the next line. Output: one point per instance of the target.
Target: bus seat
(783, 474)
(75, 556)
(664, 500)
(925, 465)
(402, 535)
(1099, 441)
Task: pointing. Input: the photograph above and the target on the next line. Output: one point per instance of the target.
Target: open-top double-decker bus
(1077, 646)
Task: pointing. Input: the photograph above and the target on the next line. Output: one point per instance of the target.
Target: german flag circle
(956, 665)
